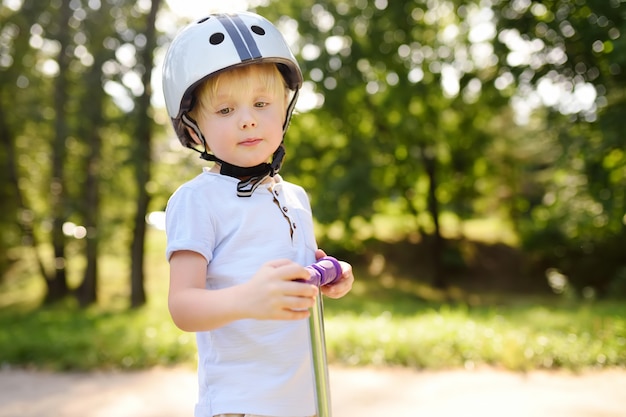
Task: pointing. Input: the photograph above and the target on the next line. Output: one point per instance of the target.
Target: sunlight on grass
(452, 337)
(107, 335)
(394, 227)
(388, 319)
(489, 231)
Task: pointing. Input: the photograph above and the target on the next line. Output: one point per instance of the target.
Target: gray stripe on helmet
(240, 46)
(241, 37)
(247, 36)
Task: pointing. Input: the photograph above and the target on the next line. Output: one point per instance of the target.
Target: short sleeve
(188, 224)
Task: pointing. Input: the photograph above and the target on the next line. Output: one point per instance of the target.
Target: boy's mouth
(250, 141)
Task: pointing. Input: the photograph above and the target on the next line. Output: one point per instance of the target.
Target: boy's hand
(272, 293)
(343, 285)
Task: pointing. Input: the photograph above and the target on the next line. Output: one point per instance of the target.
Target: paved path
(357, 392)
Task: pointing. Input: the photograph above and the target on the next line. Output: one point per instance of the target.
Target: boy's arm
(271, 294)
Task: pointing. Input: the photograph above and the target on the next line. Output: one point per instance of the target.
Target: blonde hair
(240, 79)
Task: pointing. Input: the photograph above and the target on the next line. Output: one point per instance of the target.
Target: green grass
(386, 320)
(394, 321)
(64, 338)
(517, 338)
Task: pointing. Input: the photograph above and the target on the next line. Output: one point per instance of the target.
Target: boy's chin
(254, 163)
(249, 163)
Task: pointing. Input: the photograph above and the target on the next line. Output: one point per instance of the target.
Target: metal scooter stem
(320, 364)
(325, 271)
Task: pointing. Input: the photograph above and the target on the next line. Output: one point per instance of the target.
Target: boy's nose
(248, 124)
(247, 120)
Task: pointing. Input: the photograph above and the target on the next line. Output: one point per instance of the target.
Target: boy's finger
(292, 271)
(301, 289)
(277, 263)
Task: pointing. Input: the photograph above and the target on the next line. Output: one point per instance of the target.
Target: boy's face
(243, 126)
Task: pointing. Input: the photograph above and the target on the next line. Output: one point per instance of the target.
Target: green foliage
(574, 202)
(413, 108)
(68, 94)
(108, 335)
(450, 336)
(385, 320)
(66, 338)
(388, 109)
(397, 331)
(395, 136)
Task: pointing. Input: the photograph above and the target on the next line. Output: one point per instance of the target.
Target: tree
(94, 101)
(142, 148)
(17, 216)
(57, 285)
(574, 221)
(403, 94)
(70, 61)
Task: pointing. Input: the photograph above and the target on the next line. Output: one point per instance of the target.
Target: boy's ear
(192, 134)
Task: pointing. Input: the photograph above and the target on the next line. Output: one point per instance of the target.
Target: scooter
(325, 271)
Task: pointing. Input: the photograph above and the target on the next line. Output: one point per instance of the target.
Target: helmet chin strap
(250, 177)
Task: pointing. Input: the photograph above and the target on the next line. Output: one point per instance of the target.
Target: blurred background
(467, 157)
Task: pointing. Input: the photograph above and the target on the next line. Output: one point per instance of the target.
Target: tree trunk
(88, 290)
(94, 101)
(24, 214)
(142, 160)
(57, 286)
(437, 243)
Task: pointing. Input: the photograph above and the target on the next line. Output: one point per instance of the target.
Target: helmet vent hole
(258, 30)
(216, 38)
(203, 20)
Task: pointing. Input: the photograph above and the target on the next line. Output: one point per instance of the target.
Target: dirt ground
(366, 392)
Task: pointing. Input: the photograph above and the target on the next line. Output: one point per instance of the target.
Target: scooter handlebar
(325, 271)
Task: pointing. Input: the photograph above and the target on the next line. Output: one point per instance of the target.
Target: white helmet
(216, 43)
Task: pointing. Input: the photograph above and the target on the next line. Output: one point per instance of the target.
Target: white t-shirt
(248, 366)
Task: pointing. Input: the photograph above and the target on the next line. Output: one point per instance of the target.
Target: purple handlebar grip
(325, 271)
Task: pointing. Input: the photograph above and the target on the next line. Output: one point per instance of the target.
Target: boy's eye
(225, 110)
(260, 104)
